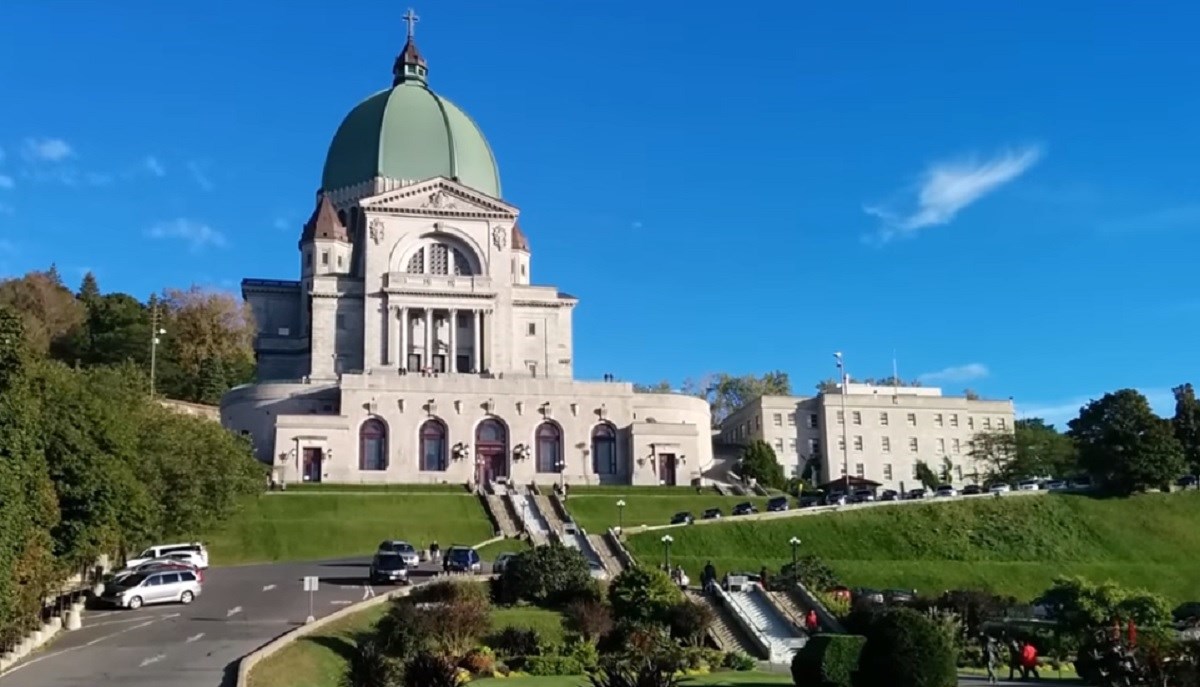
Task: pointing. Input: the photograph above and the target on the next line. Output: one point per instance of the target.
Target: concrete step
(724, 630)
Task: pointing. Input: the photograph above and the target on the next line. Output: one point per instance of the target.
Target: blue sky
(1005, 195)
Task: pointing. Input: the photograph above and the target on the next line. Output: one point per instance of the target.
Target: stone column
(452, 363)
(477, 332)
(403, 361)
(428, 357)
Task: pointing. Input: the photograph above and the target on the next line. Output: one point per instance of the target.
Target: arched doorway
(491, 451)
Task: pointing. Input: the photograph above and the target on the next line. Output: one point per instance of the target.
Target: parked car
(502, 562)
(1056, 485)
(889, 495)
(711, 514)
(945, 490)
(407, 552)
(777, 504)
(462, 559)
(864, 496)
(972, 490)
(682, 518)
(389, 567)
(744, 508)
(835, 498)
(1029, 485)
(810, 500)
(1000, 488)
(1186, 481)
(1080, 483)
(899, 596)
(864, 595)
(134, 591)
(160, 565)
(915, 494)
(161, 550)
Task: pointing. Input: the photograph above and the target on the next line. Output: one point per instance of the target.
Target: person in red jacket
(811, 623)
(1029, 661)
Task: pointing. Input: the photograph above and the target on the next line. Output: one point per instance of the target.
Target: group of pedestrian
(1022, 658)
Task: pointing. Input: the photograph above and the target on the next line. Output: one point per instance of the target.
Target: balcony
(437, 283)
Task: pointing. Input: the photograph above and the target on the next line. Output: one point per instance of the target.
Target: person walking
(992, 656)
(811, 623)
(1029, 661)
(709, 577)
(1014, 659)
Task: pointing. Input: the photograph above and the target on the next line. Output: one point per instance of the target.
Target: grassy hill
(597, 512)
(1012, 546)
(310, 525)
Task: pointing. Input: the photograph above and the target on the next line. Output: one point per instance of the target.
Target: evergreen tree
(759, 462)
(1186, 425)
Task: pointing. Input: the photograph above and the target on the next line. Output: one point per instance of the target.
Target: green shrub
(827, 661)
(585, 652)
(736, 660)
(516, 641)
(699, 658)
(643, 594)
(553, 665)
(547, 575)
(906, 649)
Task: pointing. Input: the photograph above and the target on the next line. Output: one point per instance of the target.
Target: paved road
(197, 645)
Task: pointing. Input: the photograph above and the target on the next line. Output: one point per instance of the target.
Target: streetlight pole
(621, 515)
(562, 476)
(795, 542)
(155, 332)
(666, 540)
(841, 365)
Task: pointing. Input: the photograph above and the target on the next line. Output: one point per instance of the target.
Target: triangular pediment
(439, 197)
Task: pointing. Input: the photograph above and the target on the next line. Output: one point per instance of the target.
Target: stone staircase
(530, 518)
(778, 634)
(497, 505)
(608, 558)
(786, 604)
(724, 631)
(553, 518)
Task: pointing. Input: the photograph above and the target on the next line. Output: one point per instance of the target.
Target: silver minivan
(167, 586)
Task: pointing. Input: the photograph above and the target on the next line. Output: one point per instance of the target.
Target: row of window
(860, 470)
(885, 445)
(491, 439)
(939, 420)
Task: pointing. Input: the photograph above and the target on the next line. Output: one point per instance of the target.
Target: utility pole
(155, 332)
(841, 365)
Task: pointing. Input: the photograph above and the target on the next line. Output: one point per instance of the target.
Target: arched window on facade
(441, 259)
(372, 446)
(604, 449)
(549, 448)
(433, 446)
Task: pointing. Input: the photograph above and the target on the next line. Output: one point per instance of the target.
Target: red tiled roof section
(519, 242)
(324, 223)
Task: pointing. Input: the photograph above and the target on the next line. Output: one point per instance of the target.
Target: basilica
(416, 347)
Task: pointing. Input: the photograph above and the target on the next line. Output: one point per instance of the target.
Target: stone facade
(888, 431)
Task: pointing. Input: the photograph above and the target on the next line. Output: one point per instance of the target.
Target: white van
(200, 554)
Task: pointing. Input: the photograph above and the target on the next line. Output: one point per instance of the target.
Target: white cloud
(1060, 412)
(956, 374)
(949, 186)
(197, 235)
(46, 150)
(154, 166)
(6, 181)
(200, 176)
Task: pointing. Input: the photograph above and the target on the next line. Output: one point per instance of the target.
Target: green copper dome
(409, 132)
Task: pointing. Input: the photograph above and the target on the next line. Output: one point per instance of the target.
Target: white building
(415, 346)
(889, 429)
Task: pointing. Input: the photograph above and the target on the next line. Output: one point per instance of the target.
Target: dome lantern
(409, 63)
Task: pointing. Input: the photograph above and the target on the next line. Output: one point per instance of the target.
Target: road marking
(122, 621)
(341, 603)
(268, 588)
(193, 638)
(171, 615)
(101, 615)
(152, 659)
(52, 654)
(368, 592)
(128, 629)
(233, 611)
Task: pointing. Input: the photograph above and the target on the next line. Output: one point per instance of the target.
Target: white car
(200, 559)
(407, 552)
(999, 489)
(1029, 485)
(946, 490)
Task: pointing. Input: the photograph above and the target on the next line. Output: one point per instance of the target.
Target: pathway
(775, 630)
(530, 518)
(724, 630)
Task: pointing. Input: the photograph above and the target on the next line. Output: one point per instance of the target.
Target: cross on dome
(410, 17)
(409, 63)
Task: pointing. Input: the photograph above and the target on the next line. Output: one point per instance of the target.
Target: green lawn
(315, 526)
(627, 490)
(596, 513)
(1012, 546)
(547, 623)
(307, 487)
(722, 679)
(489, 552)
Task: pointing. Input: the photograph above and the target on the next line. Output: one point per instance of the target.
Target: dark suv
(462, 559)
(777, 504)
(745, 508)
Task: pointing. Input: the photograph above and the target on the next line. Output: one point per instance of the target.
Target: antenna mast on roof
(895, 375)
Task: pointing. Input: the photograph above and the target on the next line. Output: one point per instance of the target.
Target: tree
(759, 462)
(50, 313)
(689, 621)
(117, 330)
(995, 453)
(643, 594)
(814, 573)
(926, 475)
(1080, 606)
(726, 393)
(947, 470)
(371, 667)
(547, 575)
(906, 649)
(971, 394)
(663, 387)
(1124, 445)
(1043, 450)
(589, 618)
(204, 326)
(1186, 425)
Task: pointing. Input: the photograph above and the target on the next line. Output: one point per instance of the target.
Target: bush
(584, 652)
(554, 665)
(643, 594)
(588, 618)
(703, 659)
(759, 462)
(736, 660)
(370, 667)
(906, 649)
(689, 621)
(456, 626)
(399, 632)
(814, 573)
(547, 576)
(430, 670)
(517, 641)
(479, 662)
(827, 661)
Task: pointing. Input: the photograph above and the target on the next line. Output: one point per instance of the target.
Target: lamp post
(155, 332)
(666, 540)
(562, 475)
(795, 542)
(841, 365)
(621, 515)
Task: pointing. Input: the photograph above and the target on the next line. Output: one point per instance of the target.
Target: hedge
(827, 660)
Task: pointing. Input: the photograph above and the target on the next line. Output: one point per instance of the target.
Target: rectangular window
(856, 417)
(887, 471)
(970, 422)
(912, 444)
(914, 472)
(912, 419)
(858, 443)
(813, 421)
(885, 444)
(324, 257)
(860, 470)
(792, 445)
(1000, 423)
(841, 443)
(341, 322)
(779, 445)
(842, 469)
(841, 418)
(757, 422)
(958, 472)
(883, 419)
(777, 420)
(531, 329)
(791, 419)
(814, 447)
(339, 262)
(954, 420)
(957, 446)
(937, 420)
(987, 423)
(941, 445)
